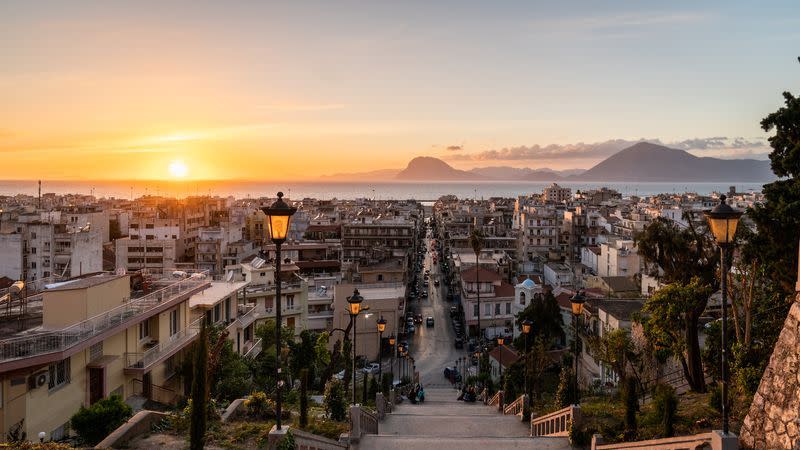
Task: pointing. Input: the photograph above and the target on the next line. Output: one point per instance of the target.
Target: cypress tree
(303, 398)
(199, 418)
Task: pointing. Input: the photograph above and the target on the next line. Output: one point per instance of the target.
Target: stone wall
(774, 418)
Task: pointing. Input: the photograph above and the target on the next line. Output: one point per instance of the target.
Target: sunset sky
(298, 89)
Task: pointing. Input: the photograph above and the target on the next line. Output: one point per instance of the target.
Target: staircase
(444, 423)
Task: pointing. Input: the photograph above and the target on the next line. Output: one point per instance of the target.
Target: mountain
(524, 173)
(376, 175)
(428, 168)
(645, 162)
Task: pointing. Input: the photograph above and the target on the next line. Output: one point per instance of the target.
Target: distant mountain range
(641, 162)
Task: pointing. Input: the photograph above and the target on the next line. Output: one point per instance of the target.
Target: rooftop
(217, 291)
(83, 283)
(473, 275)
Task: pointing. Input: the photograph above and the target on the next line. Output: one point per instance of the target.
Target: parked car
(459, 343)
(453, 311)
(411, 329)
(436, 283)
(429, 321)
(426, 284)
(371, 368)
(417, 318)
(424, 294)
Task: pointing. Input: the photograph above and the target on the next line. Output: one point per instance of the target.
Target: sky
(299, 89)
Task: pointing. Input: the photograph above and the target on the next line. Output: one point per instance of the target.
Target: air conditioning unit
(38, 380)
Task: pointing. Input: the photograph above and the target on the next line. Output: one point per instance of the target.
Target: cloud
(454, 148)
(717, 146)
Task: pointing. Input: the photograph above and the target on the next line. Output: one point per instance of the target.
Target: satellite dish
(198, 276)
(121, 271)
(179, 274)
(229, 276)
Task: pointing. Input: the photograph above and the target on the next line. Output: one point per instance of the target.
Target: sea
(326, 190)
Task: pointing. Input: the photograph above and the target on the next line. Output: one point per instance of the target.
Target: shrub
(94, 423)
(258, 405)
(335, 402)
(287, 443)
(373, 388)
(665, 405)
(565, 393)
(715, 397)
(386, 383)
(328, 428)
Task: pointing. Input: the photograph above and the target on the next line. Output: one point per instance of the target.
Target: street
(432, 348)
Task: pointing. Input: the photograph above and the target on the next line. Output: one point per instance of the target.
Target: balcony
(141, 363)
(247, 315)
(54, 345)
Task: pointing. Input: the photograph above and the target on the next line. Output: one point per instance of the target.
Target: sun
(178, 169)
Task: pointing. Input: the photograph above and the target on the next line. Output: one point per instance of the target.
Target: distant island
(641, 162)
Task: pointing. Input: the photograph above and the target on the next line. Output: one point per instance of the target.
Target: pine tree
(199, 418)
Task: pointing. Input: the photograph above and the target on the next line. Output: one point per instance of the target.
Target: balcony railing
(60, 340)
(247, 314)
(156, 353)
(254, 350)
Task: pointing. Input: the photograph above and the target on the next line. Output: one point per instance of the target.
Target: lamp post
(723, 221)
(577, 302)
(381, 327)
(391, 357)
(354, 303)
(526, 330)
(279, 215)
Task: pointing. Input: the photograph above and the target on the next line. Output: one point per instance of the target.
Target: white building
(618, 258)
(557, 274)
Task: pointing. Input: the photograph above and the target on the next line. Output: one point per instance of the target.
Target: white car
(372, 368)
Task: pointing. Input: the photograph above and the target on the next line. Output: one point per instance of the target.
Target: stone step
(444, 409)
(399, 424)
(381, 442)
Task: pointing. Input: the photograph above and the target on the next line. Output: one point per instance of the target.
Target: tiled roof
(484, 275)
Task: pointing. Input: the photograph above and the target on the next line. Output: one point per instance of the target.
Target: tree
(96, 422)
(675, 254)
(671, 320)
(565, 392)
(616, 350)
(303, 353)
(303, 398)
(335, 402)
(199, 417)
(476, 241)
(545, 314)
(631, 407)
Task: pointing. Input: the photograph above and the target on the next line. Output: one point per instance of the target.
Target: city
(374, 225)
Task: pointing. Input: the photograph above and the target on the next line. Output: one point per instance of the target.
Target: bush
(287, 443)
(715, 397)
(259, 405)
(386, 383)
(328, 428)
(96, 422)
(373, 388)
(335, 401)
(565, 393)
(665, 405)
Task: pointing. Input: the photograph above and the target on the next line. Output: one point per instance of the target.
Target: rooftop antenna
(40, 194)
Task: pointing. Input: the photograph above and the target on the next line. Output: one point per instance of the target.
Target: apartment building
(496, 302)
(556, 194)
(601, 317)
(95, 339)
(369, 237)
(219, 247)
(31, 249)
(260, 292)
(540, 226)
(220, 306)
(618, 257)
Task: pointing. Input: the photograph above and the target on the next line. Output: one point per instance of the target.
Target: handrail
(516, 407)
(151, 355)
(369, 422)
(59, 340)
(556, 423)
(254, 350)
(496, 399)
(158, 393)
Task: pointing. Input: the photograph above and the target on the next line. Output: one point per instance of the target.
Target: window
(487, 309)
(149, 226)
(380, 275)
(522, 298)
(59, 374)
(497, 309)
(475, 311)
(508, 307)
(96, 351)
(33, 235)
(174, 326)
(33, 264)
(33, 250)
(144, 330)
(228, 308)
(290, 302)
(217, 310)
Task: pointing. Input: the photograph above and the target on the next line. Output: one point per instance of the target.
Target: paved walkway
(444, 423)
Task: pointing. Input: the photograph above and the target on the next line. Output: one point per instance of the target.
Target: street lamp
(381, 327)
(577, 302)
(391, 363)
(526, 331)
(723, 221)
(354, 303)
(279, 215)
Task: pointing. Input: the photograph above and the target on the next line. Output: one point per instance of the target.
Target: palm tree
(476, 242)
